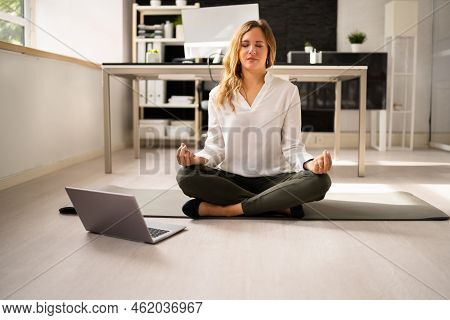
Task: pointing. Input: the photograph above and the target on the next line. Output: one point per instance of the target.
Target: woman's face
(253, 51)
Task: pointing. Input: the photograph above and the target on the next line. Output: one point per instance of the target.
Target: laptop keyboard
(156, 232)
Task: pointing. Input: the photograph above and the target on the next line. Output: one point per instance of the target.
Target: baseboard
(440, 146)
(440, 140)
(30, 174)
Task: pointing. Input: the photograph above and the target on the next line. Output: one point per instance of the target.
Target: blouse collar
(268, 77)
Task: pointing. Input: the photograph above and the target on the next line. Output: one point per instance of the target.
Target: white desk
(335, 74)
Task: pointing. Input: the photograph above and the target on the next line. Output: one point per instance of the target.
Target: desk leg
(362, 122)
(337, 119)
(136, 142)
(107, 122)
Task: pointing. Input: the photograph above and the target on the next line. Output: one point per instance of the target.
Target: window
(13, 25)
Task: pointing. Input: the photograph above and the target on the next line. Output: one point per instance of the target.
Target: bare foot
(209, 209)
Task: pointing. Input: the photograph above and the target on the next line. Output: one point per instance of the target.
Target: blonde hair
(231, 81)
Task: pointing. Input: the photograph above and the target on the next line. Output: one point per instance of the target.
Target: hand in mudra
(185, 157)
(321, 164)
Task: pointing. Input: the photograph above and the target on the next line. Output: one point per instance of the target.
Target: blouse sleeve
(213, 150)
(291, 140)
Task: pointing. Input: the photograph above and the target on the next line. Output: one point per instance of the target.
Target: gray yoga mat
(336, 206)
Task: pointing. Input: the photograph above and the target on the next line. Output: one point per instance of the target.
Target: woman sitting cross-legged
(253, 160)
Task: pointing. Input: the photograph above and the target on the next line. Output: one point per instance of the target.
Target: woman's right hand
(186, 158)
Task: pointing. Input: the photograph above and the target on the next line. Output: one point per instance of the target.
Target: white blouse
(259, 140)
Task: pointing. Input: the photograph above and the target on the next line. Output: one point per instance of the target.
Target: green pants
(257, 194)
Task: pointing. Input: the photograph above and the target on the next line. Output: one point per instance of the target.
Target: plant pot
(155, 3)
(152, 57)
(308, 49)
(356, 47)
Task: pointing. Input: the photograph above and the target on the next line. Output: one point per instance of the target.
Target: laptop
(117, 215)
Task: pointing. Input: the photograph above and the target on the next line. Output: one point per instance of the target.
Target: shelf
(168, 105)
(402, 72)
(163, 10)
(147, 15)
(167, 41)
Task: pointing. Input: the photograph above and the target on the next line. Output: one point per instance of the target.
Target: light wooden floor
(45, 255)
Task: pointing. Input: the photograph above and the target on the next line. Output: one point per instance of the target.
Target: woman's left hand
(321, 164)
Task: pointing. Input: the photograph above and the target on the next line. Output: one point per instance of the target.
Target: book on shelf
(142, 92)
(160, 89)
(156, 92)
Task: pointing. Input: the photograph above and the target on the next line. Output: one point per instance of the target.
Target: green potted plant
(152, 56)
(356, 39)
(177, 21)
(308, 47)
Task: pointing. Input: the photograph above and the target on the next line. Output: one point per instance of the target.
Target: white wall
(51, 110)
(363, 15)
(98, 31)
(368, 16)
